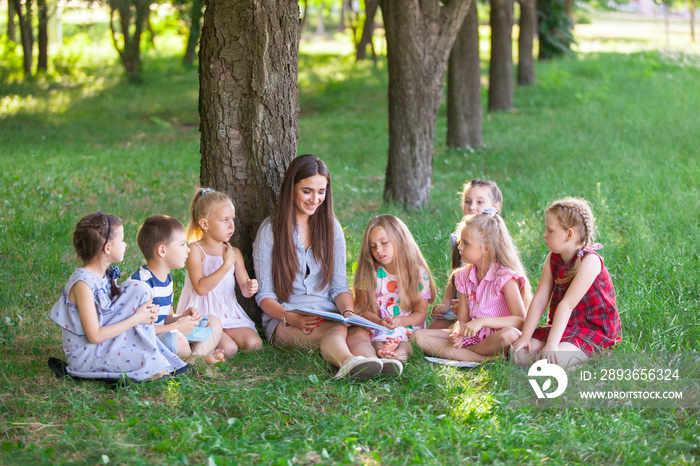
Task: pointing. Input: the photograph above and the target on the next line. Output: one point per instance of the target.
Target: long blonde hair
(576, 214)
(486, 228)
(203, 203)
(408, 260)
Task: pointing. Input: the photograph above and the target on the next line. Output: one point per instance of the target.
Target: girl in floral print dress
(493, 293)
(393, 286)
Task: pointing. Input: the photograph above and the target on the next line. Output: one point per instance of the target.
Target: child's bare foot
(387, 349)
(156, 376)
(216, 356)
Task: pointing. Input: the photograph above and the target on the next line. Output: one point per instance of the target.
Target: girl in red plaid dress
(583, 317)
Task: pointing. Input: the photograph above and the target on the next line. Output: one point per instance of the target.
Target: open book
(200, 334)
(352, 320)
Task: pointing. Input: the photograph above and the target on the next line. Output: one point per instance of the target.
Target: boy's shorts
(169, 339)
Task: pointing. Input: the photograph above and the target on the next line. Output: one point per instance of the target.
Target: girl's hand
(389, 322)
(456, 336)
(472, 327)
(191, 311)
(521, 344)
(438, 311)
(305, 322)
(229, 256)
(454, 305)
(186, 325)
(252, 286)
(549, 352)
(147, 313)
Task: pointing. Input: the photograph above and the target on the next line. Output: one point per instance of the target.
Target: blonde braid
(577, 214)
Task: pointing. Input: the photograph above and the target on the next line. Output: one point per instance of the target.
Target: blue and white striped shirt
(162, 291)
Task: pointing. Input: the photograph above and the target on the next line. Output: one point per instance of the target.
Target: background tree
(43, 36)
(501, 65)
(11, 15)
(365, 23)
(554, 28)
(464, 86)
(26, 34)
(248, 106)
(133, 16)
(526, 38)
(196, 14)
(419, 37)
(692, 5)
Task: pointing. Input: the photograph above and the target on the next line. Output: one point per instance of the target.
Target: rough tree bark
(195, 32)
(249, 107)
(419, 35)
(27, 37)
(501, 66)
(526, 38)
(371, 7)
(464, 86)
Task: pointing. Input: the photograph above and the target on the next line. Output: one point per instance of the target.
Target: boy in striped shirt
(162, 241)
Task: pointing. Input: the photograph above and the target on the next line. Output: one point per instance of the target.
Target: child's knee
(230, 347)
(253, 343)
(508, 335)
(183, 346)
(214, 322)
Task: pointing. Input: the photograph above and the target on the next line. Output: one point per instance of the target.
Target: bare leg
(330, 337)
(435, 343)
(524, 358)
(496, 343)
(246, 338)
(440, 324)
(359, 342)
(205, 348)
(183, 346)
(569, 355)
(229, 347)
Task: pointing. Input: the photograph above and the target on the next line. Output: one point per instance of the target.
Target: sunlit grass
(617, 129)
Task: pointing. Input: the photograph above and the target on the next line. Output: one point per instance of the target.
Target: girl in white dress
(214, 267)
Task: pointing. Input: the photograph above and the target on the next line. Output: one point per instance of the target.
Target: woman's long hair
(321, 227)
(408, 260)
(492, 230)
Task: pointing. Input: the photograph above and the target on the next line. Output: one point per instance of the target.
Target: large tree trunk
(11, 14)
(501, 68)
(464, 86)
(371, 7)
(419, 37)
(526, 38)
(43, 36)
(249, 107)
(195, 31)
(25, 31)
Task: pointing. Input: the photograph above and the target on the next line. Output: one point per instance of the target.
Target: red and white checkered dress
(485, 299)
(594, 323)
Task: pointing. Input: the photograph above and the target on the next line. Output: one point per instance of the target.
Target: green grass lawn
(618, 129)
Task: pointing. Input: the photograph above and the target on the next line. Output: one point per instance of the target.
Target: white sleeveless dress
(221, 301)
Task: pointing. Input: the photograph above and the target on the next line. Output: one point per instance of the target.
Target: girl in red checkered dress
(583, 317)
